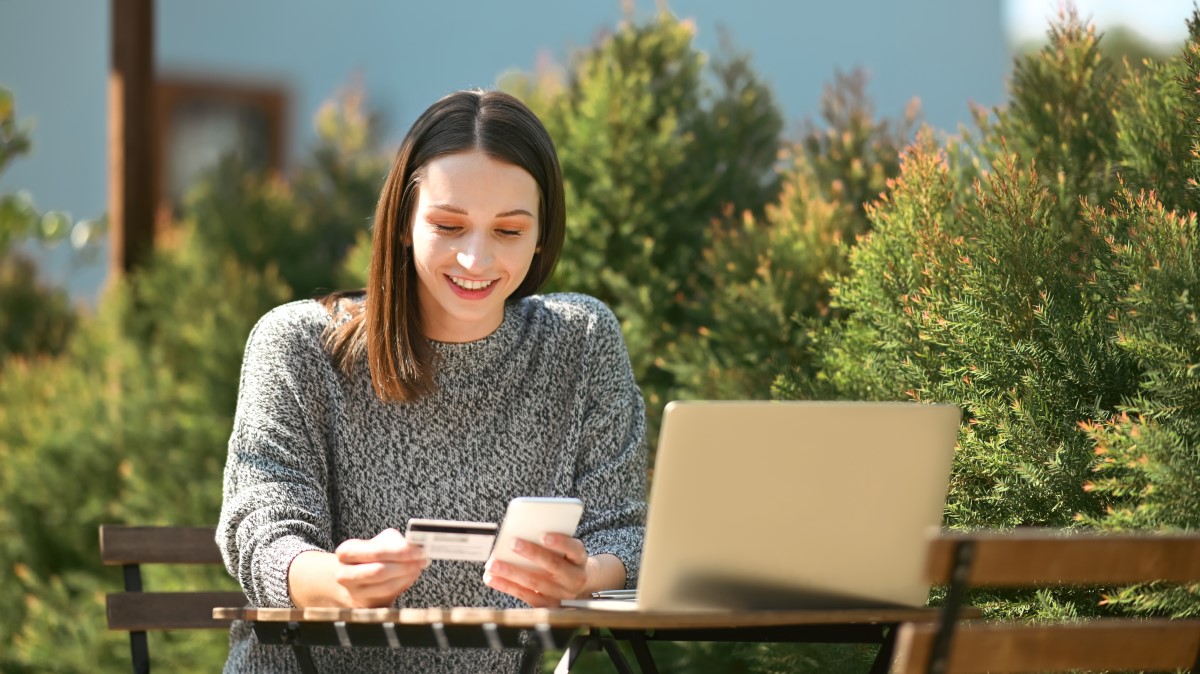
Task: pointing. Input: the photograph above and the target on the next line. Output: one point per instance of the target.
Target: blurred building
(251, 75)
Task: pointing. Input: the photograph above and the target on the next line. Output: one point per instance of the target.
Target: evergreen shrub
(766, 278)
(1053, 298)
(129, 424)
(656, 144)
(35, 318)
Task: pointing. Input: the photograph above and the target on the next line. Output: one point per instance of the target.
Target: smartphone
(529, 518)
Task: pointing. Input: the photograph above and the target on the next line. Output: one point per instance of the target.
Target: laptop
(792, 505)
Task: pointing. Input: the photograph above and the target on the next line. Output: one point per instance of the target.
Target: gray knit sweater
(544, 406)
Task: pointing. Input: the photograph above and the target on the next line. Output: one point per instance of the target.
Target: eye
(510, 233)
(445, 229)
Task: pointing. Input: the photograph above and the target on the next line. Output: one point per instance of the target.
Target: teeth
(470, 285)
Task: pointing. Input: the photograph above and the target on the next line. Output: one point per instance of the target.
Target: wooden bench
(138, 612)
(1041, 558)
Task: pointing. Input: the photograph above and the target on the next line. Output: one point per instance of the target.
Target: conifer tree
(130, 423)
(652, 154)
(1146, 467)
(767, 277)
(1057, 310)
(1060, 116)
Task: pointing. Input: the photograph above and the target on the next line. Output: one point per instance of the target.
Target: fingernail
(549, 539)
(519, 545)
(487, 578)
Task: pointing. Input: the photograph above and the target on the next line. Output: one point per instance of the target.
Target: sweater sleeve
(611, 471)
(275, 502)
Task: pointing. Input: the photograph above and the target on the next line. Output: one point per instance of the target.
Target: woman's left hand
(561, 571)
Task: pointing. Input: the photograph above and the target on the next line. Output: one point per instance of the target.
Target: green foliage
(751, 658)
(854, 154)
(128, 426)
(19, 218)
(1190, 81)
(1148, 457)
(34, 318)
(652, 153)
(306, 224)
(994, 307)
(130, 423)
(767, 277)
(735, 658)
(1053, 299)
(1060, 116)
(14, 137)
(1152, 131)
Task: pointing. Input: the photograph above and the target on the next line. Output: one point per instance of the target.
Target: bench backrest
(1040, 558)
(136, 610)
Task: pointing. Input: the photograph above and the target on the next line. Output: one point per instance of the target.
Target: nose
(476, 253)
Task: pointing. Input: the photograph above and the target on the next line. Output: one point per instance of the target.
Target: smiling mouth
(468, 284)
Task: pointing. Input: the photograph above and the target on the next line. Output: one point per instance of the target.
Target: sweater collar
(460, 359)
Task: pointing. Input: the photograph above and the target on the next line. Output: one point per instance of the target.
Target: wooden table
(573, 630)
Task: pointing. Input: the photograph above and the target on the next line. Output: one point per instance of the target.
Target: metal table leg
(883, 659)
(575, 647)
(303, 657)
(615, 654)
(641, 651)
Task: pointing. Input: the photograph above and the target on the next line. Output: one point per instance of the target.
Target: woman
(443, 390)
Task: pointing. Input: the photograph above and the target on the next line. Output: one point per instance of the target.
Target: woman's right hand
(374, 572)
(359, 574)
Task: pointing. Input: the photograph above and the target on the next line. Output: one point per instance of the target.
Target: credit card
(450, 539)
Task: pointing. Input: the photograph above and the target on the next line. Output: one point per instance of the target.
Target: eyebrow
(463, 211)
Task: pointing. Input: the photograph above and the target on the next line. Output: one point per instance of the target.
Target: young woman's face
(473, 239)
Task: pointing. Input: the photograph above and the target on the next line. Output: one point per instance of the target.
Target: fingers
(527, 595)
(388, 546)
(374, 572)
(559, 573)
(377, 584)
(561, 557)
(571, 548)
(534, 587)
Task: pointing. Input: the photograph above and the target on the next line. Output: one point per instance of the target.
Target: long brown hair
(387, 332)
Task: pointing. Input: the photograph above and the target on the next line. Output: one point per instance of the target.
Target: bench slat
(1025, 559)
(158, 545)
(153, 611)
(1096, 645)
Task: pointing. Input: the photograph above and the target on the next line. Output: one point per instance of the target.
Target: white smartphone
(529, 518)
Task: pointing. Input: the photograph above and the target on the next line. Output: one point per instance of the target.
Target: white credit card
(450, 539)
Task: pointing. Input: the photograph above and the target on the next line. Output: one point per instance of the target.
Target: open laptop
(793, 505)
